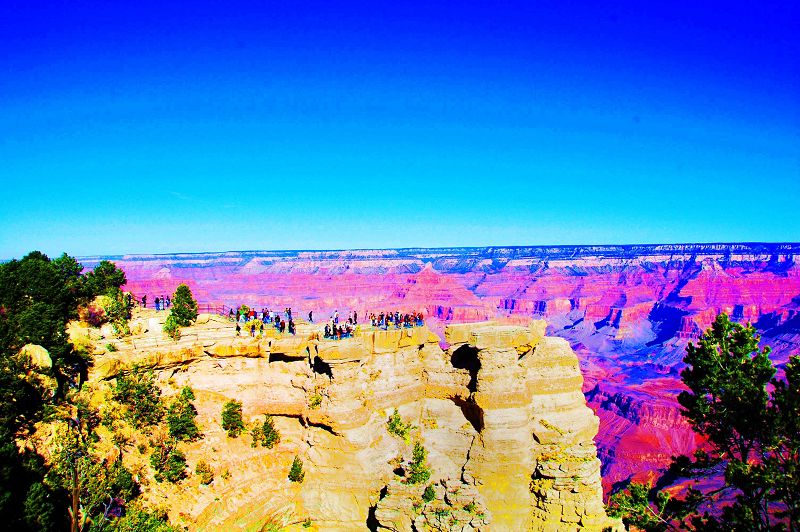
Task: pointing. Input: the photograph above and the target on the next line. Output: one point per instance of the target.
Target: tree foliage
(232, 418)
(38, 296)
(141, 396)
(265, 434)
(204, 472)
(184, 307)
(418, 472)
(138, 519)
(296, 473)
(168, 462)
(749, 419)
(396, 426)
(172, 328)
(181, 417)
(105, 279)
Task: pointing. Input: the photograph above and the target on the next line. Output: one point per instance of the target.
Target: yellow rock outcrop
(500, 412)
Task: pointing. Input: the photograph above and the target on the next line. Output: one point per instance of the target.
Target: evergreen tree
(141, 396)
(232, 418)
(181, 417)
(37, 298)
(296, 473)
(752, 434)
(184, 307)
(104, 279)
(266, 434)
(168, 462)
(418, 471)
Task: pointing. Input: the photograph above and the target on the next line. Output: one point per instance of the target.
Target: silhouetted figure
(311, 316)
(144, 301)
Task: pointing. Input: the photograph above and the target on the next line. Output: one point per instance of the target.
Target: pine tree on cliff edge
(752, 435)
(184, 307)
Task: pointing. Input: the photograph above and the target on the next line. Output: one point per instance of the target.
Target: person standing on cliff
(311, 316)
(144, 301)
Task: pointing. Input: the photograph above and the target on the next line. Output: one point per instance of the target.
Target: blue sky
(175, 127)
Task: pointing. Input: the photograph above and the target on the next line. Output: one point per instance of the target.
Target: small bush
(118, 311)
(139, 520)
(172, 328)
(168, 462)
(204, 472)
(111, 348)
(396, 426)
(93, 314)
(418, 471)
(266, 435)
(232, 419)
(429, 494)
(296, 473)
(314, 401)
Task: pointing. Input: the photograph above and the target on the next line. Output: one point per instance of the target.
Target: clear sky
(187, 126)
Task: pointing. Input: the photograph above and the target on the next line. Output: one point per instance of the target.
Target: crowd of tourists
(254, 321)
(384, 320)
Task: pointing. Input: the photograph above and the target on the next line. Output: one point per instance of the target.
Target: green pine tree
(296, 473)
(232, 418)
(184, 307)
(181, 417)
(751, 422)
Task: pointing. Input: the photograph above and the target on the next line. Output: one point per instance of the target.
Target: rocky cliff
(500, 413)
(627, 311)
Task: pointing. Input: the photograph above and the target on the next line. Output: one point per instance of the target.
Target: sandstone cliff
(500, 412)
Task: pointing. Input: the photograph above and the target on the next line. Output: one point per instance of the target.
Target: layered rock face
(507, 435)
(627, 311)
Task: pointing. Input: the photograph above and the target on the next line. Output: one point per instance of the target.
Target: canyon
(627, 311)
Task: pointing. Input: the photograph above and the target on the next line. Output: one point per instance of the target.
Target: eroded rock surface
(500, 413)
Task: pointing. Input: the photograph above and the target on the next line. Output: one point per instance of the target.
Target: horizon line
(435, 248)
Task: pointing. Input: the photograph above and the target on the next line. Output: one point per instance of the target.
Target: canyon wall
(627, 311)
(508, 435)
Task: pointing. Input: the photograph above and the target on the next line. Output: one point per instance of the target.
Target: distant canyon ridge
(627, 311)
